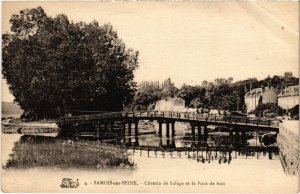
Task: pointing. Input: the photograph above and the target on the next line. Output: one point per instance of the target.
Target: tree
(262, 109)
(168, 89)
(188, 93)
(145, 97)
(53, 65)
(204, 83)
(230, 79)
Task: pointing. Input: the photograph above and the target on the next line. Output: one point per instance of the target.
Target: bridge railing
(203, 117)
(90, 117)
(168, 114)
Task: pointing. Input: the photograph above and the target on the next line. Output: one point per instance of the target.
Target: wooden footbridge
(110, 121)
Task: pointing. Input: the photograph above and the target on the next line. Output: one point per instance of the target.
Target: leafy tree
(168, 89)
(146, 96)
(262, 109)
(53, 65)
(188, 93)
(204, 84)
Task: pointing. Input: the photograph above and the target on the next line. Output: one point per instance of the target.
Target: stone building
(261, 95)
(289, 97)
(170, 104)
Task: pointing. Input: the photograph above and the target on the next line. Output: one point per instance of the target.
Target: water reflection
(184, 137)
(115, 147)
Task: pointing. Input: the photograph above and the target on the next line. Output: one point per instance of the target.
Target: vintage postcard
(145, 96)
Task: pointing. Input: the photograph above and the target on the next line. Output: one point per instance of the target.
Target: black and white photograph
(150, 96)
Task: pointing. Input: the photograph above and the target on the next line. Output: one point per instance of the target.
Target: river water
(168, 172)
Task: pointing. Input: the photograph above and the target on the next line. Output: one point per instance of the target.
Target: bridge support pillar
(199, 134)
(105, 127)
(129, 132)
(111, 127)
(230, 135)
(270, 154)
(173, 132)
(168, 132)
(159, 128)
(98, 126)
(167, 129)
(237, 138)
(136, 132)
(205, 133)
(76, 127)
(123, 133)
(193, 133)
(243, 137)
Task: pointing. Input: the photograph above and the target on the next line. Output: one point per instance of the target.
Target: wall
(288, 144)
(173, 104)
(269, 95)
(287, 102)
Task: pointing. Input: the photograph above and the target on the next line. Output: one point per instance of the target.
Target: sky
(191, 41)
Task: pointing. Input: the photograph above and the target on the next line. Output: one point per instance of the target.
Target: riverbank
(41, 151)
(255, 175)
(288, 143)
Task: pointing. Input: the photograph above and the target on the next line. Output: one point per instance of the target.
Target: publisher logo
(69, 183)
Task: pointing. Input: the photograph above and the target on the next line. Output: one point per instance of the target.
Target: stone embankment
(288, 144)
(11, 127)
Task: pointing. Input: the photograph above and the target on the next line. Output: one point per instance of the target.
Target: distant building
(261, 95)
(289, 97)
(170, 104)
(145, 84)
(167, 84)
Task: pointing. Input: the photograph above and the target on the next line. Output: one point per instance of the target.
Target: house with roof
(170, 104)
(258, 96)
(289, 97)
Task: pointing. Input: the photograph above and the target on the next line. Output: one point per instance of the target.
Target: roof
(289, 91)
(259, 91)
(174, 99)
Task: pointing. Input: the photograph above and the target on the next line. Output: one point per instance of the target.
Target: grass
(49, 152)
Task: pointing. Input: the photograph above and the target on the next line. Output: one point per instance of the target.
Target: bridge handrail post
(140, 114)
(171, 114)
(215, 118)
(163, 114)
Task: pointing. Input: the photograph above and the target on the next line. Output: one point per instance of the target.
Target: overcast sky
(192, 42)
